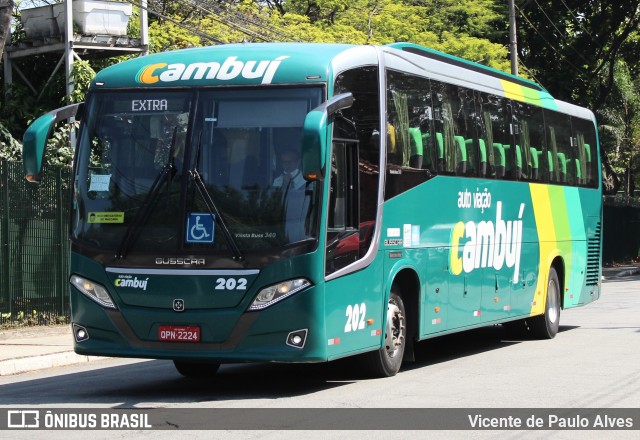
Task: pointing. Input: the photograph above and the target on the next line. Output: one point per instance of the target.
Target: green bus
(308, 202)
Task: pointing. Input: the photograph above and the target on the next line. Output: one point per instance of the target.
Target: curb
(630, 272)
(23, 365)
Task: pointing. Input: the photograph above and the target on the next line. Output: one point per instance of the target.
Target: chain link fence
(34, 245)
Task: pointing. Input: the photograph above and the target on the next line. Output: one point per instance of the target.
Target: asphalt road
(594, 362)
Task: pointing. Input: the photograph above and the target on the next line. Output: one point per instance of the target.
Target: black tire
(546, 326)
(197, 369)
(386, 361)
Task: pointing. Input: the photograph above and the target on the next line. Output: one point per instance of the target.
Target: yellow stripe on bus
(547, 239)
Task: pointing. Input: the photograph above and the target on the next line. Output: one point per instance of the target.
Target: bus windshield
(194, 171)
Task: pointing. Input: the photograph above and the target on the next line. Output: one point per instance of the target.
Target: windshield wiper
(213, 209)
(143, 214)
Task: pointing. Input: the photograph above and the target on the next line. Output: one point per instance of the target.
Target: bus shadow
(467, 343)
(459, 345)
(149, 383)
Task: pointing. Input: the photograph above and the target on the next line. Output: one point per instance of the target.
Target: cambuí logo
(133, 283)
(487, 244)
(231, 68)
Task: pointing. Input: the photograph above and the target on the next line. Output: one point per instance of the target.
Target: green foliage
(475, 18)
(18, 107)
(81, 76)
(459, 27)
(10, 149)
(166, 35)
(22, 319)
(59, 151)
(468, 47)
(620, 126)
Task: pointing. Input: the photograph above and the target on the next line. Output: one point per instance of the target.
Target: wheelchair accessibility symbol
(200, 227)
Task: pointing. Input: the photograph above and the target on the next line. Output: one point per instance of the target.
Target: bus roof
(470, 65)
(449, 69)
(237, 64)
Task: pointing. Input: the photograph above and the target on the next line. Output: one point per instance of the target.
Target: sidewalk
(39, 348)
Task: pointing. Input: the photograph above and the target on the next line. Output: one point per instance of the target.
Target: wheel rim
(552, 301)
(395, 330)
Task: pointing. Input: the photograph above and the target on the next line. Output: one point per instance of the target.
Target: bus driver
(292, 187)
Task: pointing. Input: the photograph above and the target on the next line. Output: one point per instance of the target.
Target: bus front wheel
(196, 369)
(546, 326)
(386, 361)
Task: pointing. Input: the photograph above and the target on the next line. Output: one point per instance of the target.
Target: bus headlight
(277, 292)
(93, 291)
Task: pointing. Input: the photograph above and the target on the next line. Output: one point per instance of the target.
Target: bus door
(354, 300)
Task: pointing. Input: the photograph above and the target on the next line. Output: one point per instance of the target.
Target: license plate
(179, 333)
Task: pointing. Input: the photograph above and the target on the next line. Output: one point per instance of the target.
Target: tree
(573, 48)
(459, 27)
(6, 8)
(620, 127)
(8, 145)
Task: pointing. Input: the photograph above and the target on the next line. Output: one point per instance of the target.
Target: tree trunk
(6, 9)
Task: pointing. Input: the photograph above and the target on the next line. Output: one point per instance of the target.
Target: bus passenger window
(586, 161)
(530, 141)
(561, 148)
(492, 135)
(409, 142)
(455, 129)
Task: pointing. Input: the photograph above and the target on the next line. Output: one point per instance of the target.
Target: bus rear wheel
(546, 326)
(196, 369)
(386, 361)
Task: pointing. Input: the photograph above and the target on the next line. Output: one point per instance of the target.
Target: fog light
(297, 338)
(80, 333)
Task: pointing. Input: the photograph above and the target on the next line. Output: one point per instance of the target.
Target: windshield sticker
(99, 182)
(200, 227)
(106, 217)
(256, 235)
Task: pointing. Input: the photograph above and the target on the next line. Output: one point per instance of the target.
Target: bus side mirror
(34, 141)
(314, 135)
